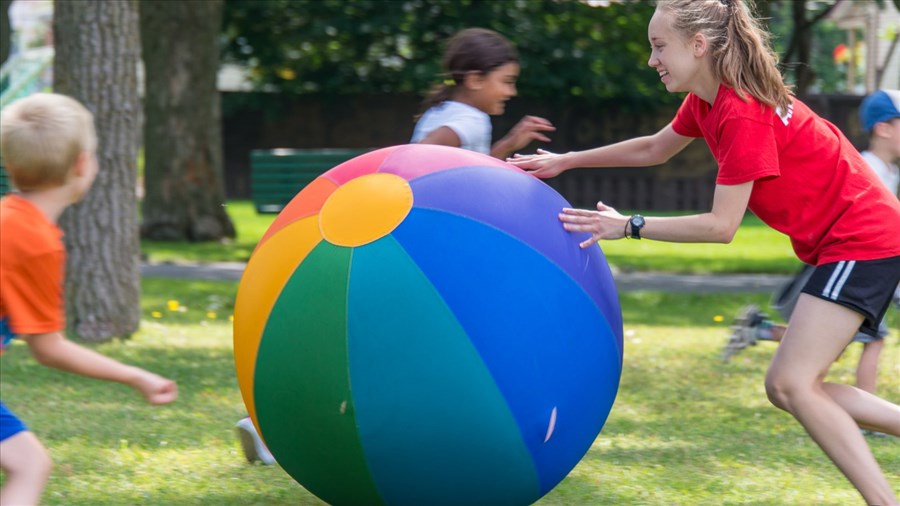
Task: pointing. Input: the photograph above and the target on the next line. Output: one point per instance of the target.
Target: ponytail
(440, 92)
(747, 62)
(742, 55)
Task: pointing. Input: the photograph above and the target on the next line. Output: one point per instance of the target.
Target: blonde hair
(41, 137)
(742, 56)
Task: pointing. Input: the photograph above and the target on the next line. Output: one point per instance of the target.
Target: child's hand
(155, 388)
(528, 129)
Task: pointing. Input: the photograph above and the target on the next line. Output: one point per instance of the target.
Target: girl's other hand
(604, 223)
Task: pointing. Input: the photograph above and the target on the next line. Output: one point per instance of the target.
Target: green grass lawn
(686, 429)
(755, 249)
(249, 225)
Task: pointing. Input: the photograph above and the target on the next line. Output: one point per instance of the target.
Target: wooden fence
(634, 189)
(308, 122)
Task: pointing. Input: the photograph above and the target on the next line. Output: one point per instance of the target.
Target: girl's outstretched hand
(604, 223)
(544, 164)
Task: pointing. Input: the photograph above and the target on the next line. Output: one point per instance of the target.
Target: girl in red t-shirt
(800, 175)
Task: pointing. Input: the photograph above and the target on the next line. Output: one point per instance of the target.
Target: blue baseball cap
(883, 105)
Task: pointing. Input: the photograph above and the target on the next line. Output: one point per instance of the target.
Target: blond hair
(41, 138)
(742, 55)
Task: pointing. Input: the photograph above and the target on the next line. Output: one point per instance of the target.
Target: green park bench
(277, 175)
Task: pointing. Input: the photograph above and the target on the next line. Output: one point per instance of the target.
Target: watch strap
(635, 226)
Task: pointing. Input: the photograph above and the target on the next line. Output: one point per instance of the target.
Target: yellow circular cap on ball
(365, 209)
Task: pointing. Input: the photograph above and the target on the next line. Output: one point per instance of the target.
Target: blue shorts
(10, 425)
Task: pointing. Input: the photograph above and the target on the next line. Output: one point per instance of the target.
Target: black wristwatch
(637, 222)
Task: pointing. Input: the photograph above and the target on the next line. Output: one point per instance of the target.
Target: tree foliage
(395, 46)
(567, 47)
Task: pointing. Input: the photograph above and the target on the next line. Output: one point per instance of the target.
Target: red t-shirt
(32, 264)
(810, 183)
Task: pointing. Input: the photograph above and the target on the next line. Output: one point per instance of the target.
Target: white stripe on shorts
(834, 276)
(838, 278)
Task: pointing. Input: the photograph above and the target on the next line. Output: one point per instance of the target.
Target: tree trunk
(804, 73)
(97, 54)
(184, 191)
(801, 44)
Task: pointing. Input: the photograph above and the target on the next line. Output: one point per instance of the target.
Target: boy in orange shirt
(48, 143)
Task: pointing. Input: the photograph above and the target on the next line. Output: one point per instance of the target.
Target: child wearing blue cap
(879, 115)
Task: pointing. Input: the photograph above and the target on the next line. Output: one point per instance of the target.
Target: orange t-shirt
(32, 266)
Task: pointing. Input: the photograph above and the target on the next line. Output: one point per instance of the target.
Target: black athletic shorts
(865, 286)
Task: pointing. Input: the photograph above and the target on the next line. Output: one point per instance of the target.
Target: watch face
(637, 221)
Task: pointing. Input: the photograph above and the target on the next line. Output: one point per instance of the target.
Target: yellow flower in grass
(211, 315)
(173, 305)
(286, 74)
(718, 318)
(156, 314)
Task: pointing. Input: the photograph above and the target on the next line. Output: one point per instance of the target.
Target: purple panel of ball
(520, 205)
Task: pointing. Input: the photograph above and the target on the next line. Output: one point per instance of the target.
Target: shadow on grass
(108, 413)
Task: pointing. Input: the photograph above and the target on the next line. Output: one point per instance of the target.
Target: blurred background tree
(586, 48)
(572, 48)
(183, 167)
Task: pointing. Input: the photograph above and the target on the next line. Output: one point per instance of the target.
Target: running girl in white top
(482, 68)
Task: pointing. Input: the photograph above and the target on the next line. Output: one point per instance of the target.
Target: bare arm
(445, 136)
(717, 226)
(54, 350)
(638, 152)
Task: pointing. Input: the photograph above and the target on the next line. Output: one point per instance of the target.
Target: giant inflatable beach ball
(416, 327)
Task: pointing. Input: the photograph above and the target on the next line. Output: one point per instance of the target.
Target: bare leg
(868, 410)
(27, 466)
(867, 369)
(778, 332)
(817, 334)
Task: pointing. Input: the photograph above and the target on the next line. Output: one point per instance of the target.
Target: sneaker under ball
(254, 448)
(743, 331)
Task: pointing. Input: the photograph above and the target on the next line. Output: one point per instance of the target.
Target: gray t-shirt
(889, 173)
(472, 126)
